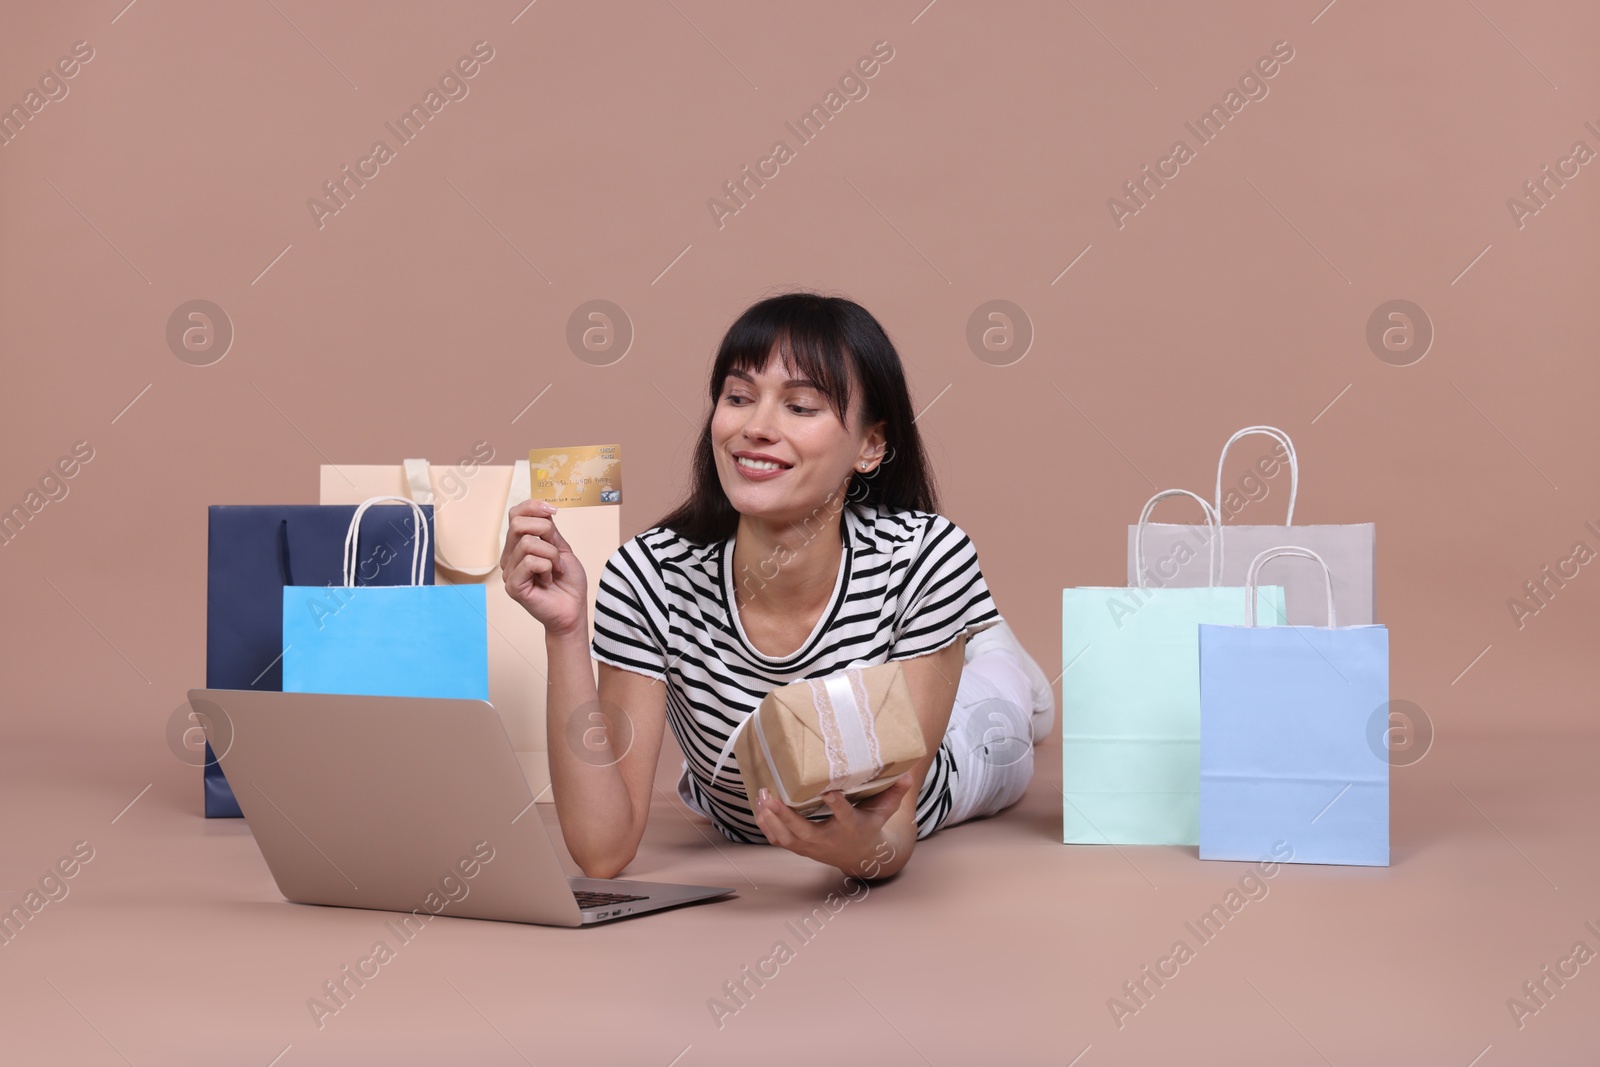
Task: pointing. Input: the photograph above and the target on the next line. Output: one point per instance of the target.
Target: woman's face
(790, 423)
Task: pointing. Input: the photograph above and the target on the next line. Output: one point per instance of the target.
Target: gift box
(855, 731)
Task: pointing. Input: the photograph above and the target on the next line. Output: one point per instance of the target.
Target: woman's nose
(758, 421)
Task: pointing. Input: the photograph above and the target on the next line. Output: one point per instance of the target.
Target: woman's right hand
(541, 571)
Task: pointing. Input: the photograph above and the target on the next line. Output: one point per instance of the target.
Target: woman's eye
(736, 398)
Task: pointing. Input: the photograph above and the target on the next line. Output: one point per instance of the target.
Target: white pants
(990, 735)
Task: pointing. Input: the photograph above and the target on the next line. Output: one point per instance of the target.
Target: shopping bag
(471, 503)
(404, 641)
(1349, 549)
(1130, 701)
(1286, 768)
(253, 551)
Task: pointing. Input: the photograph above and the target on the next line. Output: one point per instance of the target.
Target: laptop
(408, 804)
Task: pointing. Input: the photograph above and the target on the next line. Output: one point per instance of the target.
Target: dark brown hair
(824, 338)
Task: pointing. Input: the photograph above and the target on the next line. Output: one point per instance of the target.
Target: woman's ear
(876, 445)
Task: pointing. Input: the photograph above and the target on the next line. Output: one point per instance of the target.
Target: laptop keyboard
(589, 898)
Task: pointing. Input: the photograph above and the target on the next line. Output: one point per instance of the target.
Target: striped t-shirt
(908, 584)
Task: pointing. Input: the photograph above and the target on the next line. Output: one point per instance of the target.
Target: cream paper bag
(470, 506)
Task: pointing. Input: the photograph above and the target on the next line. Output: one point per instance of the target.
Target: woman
(810, 542)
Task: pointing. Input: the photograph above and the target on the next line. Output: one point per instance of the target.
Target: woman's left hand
(844, 841)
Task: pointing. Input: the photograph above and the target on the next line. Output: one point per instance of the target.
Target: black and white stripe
(909, 584)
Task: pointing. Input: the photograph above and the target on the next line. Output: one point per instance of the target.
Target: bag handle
(1213, 523)
(419, 483)
(419, 544)
(1294, 465)
(1273, 553)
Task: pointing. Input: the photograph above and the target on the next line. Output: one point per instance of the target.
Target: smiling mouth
(758, 464)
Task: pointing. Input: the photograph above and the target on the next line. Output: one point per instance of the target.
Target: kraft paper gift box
(855, 731)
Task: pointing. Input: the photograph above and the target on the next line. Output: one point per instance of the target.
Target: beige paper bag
(470, 520)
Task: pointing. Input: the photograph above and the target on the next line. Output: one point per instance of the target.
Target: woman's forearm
(592, 802)
(889, 854)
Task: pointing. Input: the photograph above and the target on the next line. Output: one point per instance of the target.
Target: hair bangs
(803, 348)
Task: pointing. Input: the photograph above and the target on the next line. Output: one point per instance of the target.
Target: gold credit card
(577, 477)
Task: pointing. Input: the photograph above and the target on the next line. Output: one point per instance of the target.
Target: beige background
(432, 310)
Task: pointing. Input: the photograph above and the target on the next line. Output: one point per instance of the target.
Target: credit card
(581, 476)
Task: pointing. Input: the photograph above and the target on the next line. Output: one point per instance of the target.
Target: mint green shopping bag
(1130, 697)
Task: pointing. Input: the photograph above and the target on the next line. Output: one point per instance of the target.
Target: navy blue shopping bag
(254, 552)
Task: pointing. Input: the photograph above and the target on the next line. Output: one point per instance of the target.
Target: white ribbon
(849, 736)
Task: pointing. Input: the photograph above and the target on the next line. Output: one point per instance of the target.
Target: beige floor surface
(997, 944)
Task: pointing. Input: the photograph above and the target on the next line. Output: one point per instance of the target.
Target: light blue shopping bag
(410, 640)
(1130, 699)
(1285, 761)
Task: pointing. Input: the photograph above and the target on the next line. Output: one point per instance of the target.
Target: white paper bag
(1173, 553)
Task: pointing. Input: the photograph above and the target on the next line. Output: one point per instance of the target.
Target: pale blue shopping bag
(1285, 761)
(1130, 698)
(409, 640)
